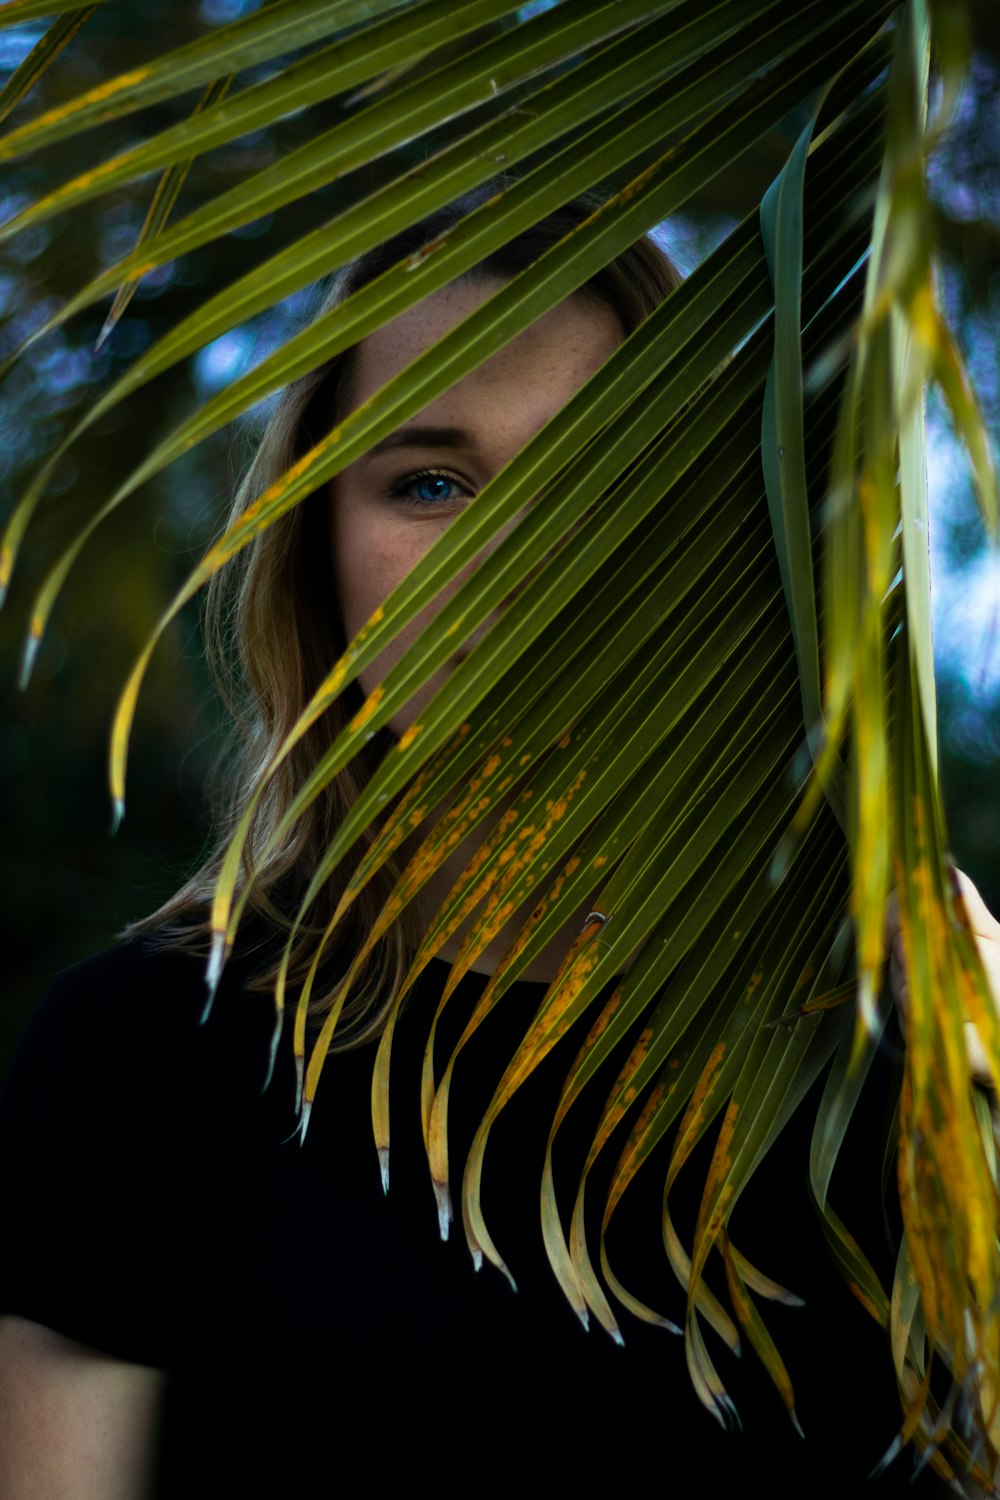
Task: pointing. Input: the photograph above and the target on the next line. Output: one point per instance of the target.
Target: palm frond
(713, 558)
(41, 57)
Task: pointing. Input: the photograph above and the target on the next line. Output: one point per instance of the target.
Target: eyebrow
(423, 437)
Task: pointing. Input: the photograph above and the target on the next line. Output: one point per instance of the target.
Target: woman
(198, 1305)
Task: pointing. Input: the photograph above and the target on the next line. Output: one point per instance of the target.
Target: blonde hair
(273, 630)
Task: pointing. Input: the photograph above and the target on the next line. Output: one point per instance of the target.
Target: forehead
(541, 367)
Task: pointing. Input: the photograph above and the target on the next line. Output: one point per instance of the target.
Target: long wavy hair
(273, 629)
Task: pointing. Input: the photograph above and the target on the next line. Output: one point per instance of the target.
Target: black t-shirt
(160, 1209)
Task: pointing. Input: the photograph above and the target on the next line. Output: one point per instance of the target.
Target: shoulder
(129, 978)
(121, 1115)
(122, 984)
(97, 1012)
(126, 1029)
(141, 985)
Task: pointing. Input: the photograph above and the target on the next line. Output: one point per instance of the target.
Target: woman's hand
(986, 930)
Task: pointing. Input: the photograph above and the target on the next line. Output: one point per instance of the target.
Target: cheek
(364, 564)
(371, 556)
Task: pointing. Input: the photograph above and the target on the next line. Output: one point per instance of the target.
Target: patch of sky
(964, 179)
(964, 182)
(221, 12)
(130, 337)
(65, 372)
(231, 355)
(690, 241)
(15, 45)
(30, 243)
(117, 239)
(30, 314)
(156, 281)
(964, 172)
(224, 360)
(979, 336)
(12, 203)
(965, 571)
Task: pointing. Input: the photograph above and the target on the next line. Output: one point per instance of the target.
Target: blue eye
(433, 487)
(428, 487)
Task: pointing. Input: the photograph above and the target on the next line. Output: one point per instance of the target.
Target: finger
(981, 920)
(976, 1054)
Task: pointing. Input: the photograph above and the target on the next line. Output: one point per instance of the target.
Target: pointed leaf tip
(724, 1412)
(28, 660)
(117, 815)
(616, 1334)
(216, 960)
(894, 1448)
(443, 1197)
(383, 1167)
(779, 861)
(272, 1051)
(102, 337)
(867, 1005)
(477, 1260)
(304, 1121)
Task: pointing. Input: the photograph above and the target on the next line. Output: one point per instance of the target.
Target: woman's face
(388, 506)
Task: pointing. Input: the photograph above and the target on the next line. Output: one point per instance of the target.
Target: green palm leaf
(691, 569)
(42, 56)
(15, 12)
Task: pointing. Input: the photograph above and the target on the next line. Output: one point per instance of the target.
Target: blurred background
(68, 887)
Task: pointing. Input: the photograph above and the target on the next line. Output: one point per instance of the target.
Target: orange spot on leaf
(368, 709)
